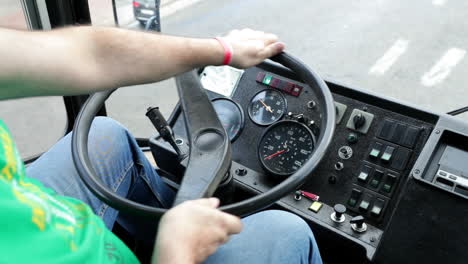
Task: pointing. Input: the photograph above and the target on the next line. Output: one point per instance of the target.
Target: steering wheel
(210, 149)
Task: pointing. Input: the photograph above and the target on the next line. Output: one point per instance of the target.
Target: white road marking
(439, 2)
(443, 67)
(389, 58)
(176, 6)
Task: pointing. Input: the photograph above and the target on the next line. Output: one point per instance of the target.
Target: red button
(296, 91)
(288, 87)
(275, 83)
(260, 76)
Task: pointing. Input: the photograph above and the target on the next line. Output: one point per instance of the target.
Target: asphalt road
(410, 50)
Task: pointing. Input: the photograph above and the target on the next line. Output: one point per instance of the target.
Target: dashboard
(355, 199)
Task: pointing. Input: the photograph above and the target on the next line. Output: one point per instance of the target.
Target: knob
(297, 195)
(352, 138)
(359, 120)
(241, 171)
(338, 214)
(357, 224)
(301, 118)
(311, 104)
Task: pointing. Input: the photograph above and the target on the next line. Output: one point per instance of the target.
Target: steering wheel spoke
(210, 148)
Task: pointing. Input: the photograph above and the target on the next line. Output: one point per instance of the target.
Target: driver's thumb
(212, 202)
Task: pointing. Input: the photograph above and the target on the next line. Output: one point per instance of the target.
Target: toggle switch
(354, 198)
(376, 210)
(378, 175)
(364, 174)
(388, 153)
(389, 183)
(357, 224)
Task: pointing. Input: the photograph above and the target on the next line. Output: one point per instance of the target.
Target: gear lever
(161, 125)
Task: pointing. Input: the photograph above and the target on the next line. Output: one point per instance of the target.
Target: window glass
(380, 46)
(128, 105)
(36, 123)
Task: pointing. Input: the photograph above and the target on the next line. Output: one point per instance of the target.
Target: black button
(399, 133)
(389, 183)
(354, 198)
(411, 137)
(400, 158)
(378, 175)
(386, 131)
(377, 209)
(388, 153)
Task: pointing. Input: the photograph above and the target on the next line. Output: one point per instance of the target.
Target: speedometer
(285, 147)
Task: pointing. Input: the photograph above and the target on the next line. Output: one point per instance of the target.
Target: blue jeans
(268, 237)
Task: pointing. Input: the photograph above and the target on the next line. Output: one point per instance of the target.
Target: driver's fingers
(233, 224)
(271, 50)
(212, 202)
(269, 38)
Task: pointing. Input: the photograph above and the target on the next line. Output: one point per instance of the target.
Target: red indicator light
(260, 76)
(136, 3)
(275, 83)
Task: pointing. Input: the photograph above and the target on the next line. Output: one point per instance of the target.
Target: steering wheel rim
(258, 202)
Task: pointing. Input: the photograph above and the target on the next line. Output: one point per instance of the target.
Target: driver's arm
(80, 60)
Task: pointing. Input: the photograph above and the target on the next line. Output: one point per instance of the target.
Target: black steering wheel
(210, 149)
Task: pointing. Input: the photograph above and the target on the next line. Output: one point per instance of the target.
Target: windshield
(414, 51)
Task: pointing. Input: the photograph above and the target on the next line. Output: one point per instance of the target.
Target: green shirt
(39, 226)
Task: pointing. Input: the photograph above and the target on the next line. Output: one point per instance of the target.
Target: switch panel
(279, 83)
(367, 203)
(364, 128)
(399, 133)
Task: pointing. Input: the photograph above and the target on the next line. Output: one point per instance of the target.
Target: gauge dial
(231, 116)
(285, 147)
(267, 107)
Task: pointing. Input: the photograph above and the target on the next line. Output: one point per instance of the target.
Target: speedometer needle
(266, 106)
(274, 154)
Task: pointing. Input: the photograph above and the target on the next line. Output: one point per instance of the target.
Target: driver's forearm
(86, 59)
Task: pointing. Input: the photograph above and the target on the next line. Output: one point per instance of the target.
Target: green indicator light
(374, 183)
(386, 156)
(267, 79)
(375, 153)
(352, 202)
(386, 188)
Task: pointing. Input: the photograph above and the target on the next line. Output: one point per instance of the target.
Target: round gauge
(285, 147)
(231, 116)
(267, 107)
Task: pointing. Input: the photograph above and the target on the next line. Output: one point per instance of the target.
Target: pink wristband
(227, 50)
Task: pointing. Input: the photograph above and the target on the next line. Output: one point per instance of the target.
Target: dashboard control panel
(356, 186)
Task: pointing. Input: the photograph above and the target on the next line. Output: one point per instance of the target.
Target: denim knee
(286, 223)
(109, 142)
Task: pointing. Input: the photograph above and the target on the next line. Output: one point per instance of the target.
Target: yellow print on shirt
(46, 209)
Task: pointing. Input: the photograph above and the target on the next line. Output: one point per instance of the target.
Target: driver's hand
(251, 47)
(192, 231)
